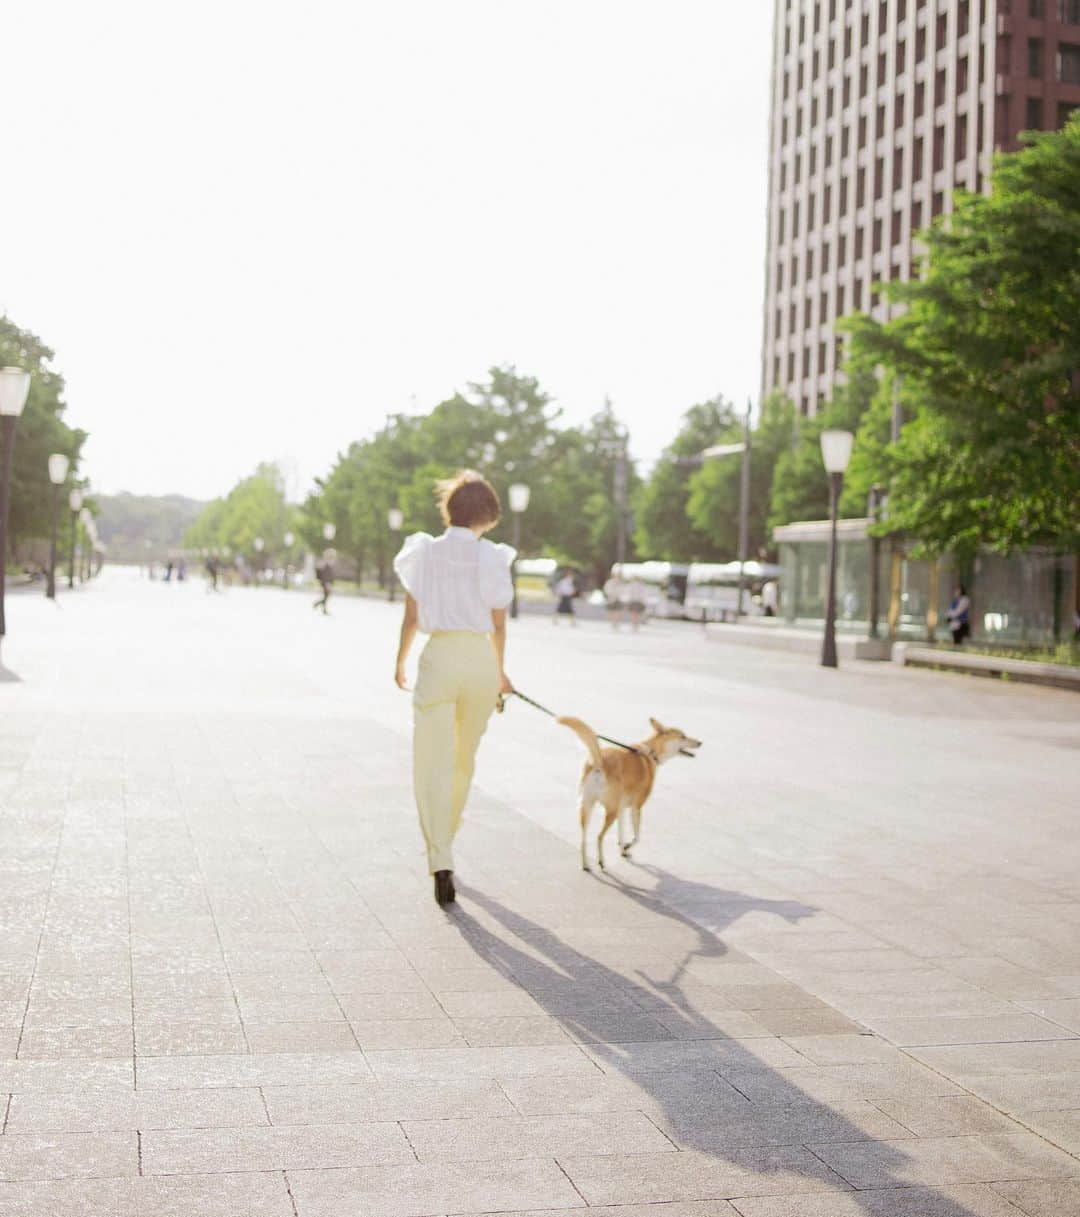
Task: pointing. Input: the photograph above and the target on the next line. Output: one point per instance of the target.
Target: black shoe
(444, 887)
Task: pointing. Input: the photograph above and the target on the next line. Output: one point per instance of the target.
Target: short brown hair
(467, 500)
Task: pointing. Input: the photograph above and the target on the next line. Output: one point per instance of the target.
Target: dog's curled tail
(587, 735)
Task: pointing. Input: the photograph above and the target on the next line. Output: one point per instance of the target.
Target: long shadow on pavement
(707, 1090)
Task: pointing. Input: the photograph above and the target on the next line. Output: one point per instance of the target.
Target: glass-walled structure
(1027, 599)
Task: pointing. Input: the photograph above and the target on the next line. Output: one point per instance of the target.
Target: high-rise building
(880, 109)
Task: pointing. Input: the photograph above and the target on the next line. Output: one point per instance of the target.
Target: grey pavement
(840, 977)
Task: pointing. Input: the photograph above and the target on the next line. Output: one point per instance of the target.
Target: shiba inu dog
(621, 780)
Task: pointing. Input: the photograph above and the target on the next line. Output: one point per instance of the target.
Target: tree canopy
(40, 432)
(988, 349)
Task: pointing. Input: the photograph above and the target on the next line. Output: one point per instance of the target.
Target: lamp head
(519, 497)
(58, 468)
(395, 517)
(836, 450)
(329, 531)
(14, 389)
(288, 539)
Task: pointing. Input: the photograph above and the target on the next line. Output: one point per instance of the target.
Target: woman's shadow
(717, 1094)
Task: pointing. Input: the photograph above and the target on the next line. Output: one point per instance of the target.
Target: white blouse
(456, 579)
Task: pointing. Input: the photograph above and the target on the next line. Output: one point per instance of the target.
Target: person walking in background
(615, 596)
(960, 615)
(212, 573)
(458, 587)
(565, 591)
(770, 599)
(635, 602)
(324, 572)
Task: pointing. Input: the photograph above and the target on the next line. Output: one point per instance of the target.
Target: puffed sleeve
(409, 564)
(496, 583)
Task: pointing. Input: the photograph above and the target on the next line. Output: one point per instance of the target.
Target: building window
(858, 244)
(1066, 110)
(877, 236)
(897, 227)
(879, 178)
(920, 44)
(826, 210)
(1036, 8)
(828, 151)
(864, 80)
(916, 215)
(917, 159)
(845, 141)
(920, 99)
(963, 18)
(962, 75)
(822, 359)
(1069, 64)
(860, 188)
(939, 149)
(1035, 54)
(960, 151)
(901, 57)
(939, 202)
(1069, 11)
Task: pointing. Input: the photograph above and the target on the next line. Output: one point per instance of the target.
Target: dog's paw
(626, 850)
(586, 867)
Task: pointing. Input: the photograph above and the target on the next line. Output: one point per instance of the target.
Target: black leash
(551, 714)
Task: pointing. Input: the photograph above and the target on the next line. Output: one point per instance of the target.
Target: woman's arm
(498, 640)
(409, 622)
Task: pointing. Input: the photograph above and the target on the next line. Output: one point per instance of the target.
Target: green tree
(988, 346)
(713, 505)
(664, 526)
(40, 432)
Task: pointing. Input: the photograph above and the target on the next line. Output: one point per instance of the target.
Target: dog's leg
(636, 813)
(610, 816)
(585, 813)
(624, 842)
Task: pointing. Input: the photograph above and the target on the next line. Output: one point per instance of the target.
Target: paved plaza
(840, 977)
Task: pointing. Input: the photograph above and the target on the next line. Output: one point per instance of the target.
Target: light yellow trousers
(456, 691)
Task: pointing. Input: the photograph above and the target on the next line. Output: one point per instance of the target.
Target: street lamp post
(873, 512)
(519, 504)
(58, 470)
(835, 452)
(86, 519)
(395, 519)
(288, 540)
(14, 388)
(75, 505)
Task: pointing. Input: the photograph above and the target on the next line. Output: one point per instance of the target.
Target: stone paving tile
(81, 1042)
(67, 1155)
(689, 1208)
(300, 1037)
(837, 1083)
(978, 1200)
(486, 1139)
(63, 1075)
(52, 1012)
(400, 1099)
(968, 1029)
(510, 1031)
(269, 1069)
(702, 1090)
(240, 1195)
(1018, 1093)
(1037, 1056)
(933, 1160)
(291, 1008)
(949, 1116)
(425, 1189)
(508, 1003)
(856, 1049)
(480, 1062)
(1060, 1127)
(189, 1039)
(218, 1150)
(408, 1033)
(699, 1054)
(771, 1124)
(689, 1175)
(1043, 1199)
(1063, 1011)
(814, 1022)
(82, 1112)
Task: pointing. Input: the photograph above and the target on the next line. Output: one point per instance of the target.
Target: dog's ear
(658, 727)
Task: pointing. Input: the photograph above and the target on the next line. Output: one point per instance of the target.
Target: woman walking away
(960, 615)
(458, 587)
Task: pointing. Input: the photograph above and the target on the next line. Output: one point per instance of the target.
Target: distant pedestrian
(211, 573)
(324, 572)
(636, 594)
(770, 598)
(181, 569)
(960, 615)
(615, 597)
(458, 588)
(565, 591)
(168, 570)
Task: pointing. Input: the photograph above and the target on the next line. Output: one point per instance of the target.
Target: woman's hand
(505, 687)
(399, 677)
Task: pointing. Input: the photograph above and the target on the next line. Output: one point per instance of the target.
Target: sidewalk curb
(1027, 671)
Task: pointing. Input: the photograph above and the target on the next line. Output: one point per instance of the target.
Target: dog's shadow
(706, 1090)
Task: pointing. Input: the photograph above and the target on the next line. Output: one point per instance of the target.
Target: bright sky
(253, 228)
